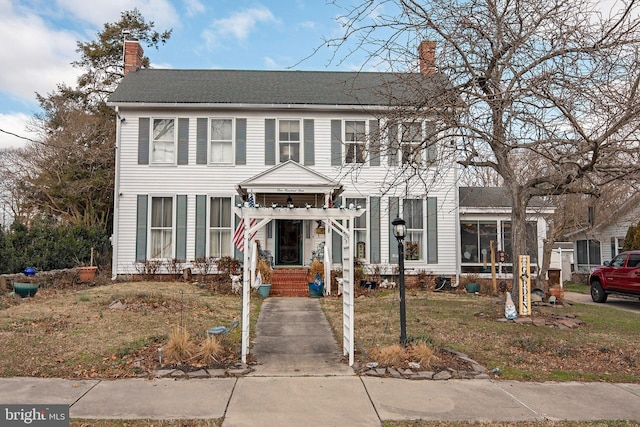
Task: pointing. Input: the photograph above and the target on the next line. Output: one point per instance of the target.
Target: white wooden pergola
(331, 218)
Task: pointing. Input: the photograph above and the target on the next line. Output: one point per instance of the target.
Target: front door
(289, 242)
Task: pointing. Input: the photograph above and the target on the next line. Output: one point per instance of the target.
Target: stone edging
(478, 371)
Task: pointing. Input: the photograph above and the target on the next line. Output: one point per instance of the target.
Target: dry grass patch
(75, 334)
(605, 348)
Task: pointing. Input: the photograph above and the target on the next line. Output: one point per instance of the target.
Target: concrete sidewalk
(328, 400)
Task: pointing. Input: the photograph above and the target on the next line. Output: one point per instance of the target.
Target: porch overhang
(291, 178)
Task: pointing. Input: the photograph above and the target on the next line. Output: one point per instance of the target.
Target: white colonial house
(209, 158)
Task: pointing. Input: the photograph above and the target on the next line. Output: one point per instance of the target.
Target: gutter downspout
(116, 198)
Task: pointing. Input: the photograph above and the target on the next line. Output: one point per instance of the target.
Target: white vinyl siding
(201, 180)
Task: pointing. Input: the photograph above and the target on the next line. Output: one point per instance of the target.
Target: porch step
(289, 283)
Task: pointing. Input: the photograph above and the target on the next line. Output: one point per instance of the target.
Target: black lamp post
(400, 231)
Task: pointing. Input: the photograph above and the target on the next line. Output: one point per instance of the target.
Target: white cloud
(237, 26)
(270, 63)
(15, 124)
(34, 57)
(161, 12)
(194, 7)
(307, 25)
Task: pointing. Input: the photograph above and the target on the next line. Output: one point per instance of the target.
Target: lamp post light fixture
(400, 232)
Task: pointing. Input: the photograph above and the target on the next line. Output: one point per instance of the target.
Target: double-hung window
(414, 217)
(359, 228)
(355, 140)
(221, 141)
(161, 227)
(163, 147)
(289, 140)
(220, 227)
(412, 143)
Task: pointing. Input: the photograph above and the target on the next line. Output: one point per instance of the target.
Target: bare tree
(554, 82)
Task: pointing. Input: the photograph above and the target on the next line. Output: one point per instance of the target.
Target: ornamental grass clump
(179, 348)
(391, 355)
(421, 353)
(211, 350)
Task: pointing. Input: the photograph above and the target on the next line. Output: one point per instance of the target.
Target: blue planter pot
(316, 291)
(25, 289)
(264, 289)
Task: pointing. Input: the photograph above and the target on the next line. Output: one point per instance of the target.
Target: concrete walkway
(313, 388)
(294, 338)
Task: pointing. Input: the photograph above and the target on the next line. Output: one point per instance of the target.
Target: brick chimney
(427, 56)
(133, 54)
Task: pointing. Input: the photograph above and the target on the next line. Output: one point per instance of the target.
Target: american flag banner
(238, 235)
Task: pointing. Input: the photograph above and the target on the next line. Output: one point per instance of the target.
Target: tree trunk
(518, 235)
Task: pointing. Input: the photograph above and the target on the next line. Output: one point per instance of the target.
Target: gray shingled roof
(271, 87)
(490, 197)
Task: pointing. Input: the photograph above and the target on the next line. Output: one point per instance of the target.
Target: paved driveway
(613, 301)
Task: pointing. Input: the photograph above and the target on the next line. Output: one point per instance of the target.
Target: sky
(39, 40)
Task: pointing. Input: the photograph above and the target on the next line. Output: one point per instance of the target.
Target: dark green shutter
(336, 143)
(394, 212)
(183, 141)
(432, 142)
(201, 227)
(374, 143)
(241, 141)
(309, 143)
(270, 141)
(141, 227)
(143, 141)
(181, 227)
(374, 221)
(432, 230)
(394, 146)
(201, 140)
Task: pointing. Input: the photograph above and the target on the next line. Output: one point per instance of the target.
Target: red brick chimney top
(427, 55)
(133, 54)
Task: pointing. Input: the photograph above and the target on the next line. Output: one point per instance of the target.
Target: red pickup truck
(621, 276)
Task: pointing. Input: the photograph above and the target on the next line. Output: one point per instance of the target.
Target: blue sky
(39, 42)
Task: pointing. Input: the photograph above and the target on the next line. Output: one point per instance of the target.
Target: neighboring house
(485, 217)
(604, 240)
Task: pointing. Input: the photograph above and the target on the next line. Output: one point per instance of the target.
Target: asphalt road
(613, 301)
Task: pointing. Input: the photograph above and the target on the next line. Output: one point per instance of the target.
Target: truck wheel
(597, 293)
